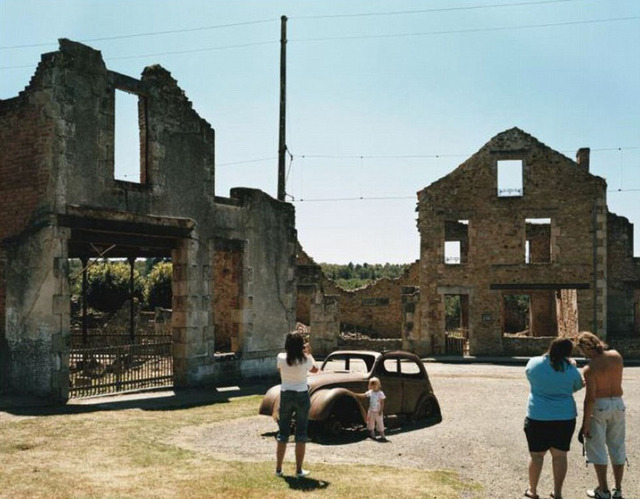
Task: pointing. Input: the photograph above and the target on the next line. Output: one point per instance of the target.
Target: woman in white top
(294, 364)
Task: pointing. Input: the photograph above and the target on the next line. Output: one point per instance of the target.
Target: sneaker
(617, 494)
(599, 494)
(302, 473)
(279, 473)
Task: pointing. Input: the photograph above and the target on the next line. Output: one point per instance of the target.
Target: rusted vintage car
(404, 381)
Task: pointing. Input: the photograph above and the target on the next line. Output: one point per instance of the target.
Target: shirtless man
(603, 424)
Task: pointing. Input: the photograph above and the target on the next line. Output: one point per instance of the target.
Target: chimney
(582, 157)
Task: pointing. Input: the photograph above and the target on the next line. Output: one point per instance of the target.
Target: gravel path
(481, 435)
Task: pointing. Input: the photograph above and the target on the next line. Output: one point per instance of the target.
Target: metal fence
(457, 342)
(112, 369)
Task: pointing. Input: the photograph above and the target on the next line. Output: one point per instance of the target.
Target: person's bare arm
(589, 400)
(381, 406)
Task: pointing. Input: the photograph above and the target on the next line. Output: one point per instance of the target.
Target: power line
(397, 198)
(462, 31)
(257, 160)
(402, 156)
(151, 33)
(423, 11)
(175, 52)
(264, 21)
(189, 51)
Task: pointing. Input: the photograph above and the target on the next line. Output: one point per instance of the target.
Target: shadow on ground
(305, 484)
(359, 433)
(160, 400)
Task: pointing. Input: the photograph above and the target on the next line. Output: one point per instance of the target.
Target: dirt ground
(481, 436)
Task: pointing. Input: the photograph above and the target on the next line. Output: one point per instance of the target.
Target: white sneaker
(599, 494)
(617, 494)
(279, 473)
(302, 473)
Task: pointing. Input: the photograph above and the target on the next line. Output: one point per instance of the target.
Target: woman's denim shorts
(293, 405)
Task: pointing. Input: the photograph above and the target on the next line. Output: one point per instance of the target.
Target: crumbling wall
(376, 309)
(553, 187)
(57, 161)
(28, 353)
(624, 279)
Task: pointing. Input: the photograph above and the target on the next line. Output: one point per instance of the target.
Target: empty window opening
(129, 138)
(456, 245)
(510, 178)
(452, 252)
(538, 240)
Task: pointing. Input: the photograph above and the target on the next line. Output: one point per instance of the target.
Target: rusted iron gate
(112, 369)
(457, 342)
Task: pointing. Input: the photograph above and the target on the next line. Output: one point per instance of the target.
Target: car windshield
(348, 363)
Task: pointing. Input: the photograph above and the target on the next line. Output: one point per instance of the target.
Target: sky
(384, 97)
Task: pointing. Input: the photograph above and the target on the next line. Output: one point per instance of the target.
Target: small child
(376, 408)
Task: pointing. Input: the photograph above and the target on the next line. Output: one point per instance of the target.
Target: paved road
(481, 435)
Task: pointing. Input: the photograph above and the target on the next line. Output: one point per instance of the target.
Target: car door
(388, 370)
(414, 385)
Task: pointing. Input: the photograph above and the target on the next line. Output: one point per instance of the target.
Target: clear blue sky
(384, 97)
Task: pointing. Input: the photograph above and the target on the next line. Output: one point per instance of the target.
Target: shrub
(157, 292)
(108, 285)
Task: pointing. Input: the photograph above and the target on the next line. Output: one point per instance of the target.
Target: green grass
(86, 453)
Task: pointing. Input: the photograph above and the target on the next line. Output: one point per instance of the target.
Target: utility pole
(282, 148)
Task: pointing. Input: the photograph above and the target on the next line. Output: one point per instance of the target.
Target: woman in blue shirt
(551, 412)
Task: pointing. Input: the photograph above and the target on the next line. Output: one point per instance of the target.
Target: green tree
(157, 291)
(108, 285)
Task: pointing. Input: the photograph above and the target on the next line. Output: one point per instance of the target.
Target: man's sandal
(527, 493)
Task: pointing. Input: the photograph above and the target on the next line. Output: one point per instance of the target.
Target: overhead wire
(431, 11)
(151, 33)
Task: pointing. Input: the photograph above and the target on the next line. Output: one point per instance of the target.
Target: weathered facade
(233, 258)
(520, 219)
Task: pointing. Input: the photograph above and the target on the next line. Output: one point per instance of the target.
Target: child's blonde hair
(374, 384)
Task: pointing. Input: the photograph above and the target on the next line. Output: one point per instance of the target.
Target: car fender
(323, 402)
(270, 405)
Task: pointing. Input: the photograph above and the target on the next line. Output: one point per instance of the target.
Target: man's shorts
(607, 432)
(542, 435)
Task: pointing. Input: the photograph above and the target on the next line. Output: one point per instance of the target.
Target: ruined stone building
(233, 258)
(518, 219)
(381, 310)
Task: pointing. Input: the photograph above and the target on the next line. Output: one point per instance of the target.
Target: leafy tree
(108, 285)
(352, 276)
(157, 291)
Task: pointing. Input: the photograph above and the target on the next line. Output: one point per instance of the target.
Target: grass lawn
(85, 451)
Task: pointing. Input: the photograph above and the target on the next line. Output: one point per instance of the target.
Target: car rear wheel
(426, 408)
(333, 426)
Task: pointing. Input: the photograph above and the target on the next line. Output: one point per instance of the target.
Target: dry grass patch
(90, 452)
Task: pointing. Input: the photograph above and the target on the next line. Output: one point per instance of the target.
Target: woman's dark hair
(294, 345)
(559, 350)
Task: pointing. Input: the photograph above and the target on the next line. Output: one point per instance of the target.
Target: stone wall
(623, 300)
(63, 201)
(553, 188)
(377, 309)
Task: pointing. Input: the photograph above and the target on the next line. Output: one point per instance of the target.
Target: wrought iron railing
(112, 369)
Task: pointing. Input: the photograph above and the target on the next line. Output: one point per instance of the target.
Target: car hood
(346, 380)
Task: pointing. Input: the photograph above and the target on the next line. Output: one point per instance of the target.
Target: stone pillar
(325, 324)
(190, 320)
